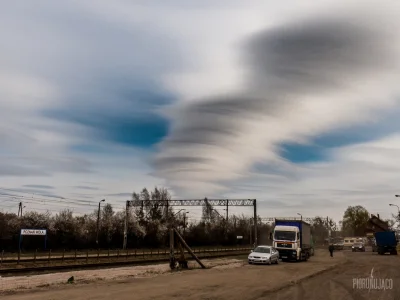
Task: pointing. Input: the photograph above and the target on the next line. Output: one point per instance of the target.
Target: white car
(264, 255)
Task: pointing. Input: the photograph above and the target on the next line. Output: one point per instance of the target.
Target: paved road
(341, 282)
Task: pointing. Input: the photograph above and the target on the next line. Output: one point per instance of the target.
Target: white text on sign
(33, 231)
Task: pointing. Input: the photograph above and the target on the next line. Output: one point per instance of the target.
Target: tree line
(148, 225)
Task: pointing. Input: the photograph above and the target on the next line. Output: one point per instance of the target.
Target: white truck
(292, 238)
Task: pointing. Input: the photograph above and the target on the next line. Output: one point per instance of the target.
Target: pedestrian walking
(331, 249)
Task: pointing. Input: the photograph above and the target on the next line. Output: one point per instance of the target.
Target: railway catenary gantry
(192, 202)
(272, 219)
(195, 202)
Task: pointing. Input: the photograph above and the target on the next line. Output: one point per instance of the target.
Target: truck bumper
(286, 254)
(386, 249)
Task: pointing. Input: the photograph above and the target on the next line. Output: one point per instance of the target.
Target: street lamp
(301, 216)
(98, 222)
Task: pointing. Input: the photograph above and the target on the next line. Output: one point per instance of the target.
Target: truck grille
(284, 245)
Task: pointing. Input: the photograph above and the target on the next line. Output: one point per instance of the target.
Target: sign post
(37, 232)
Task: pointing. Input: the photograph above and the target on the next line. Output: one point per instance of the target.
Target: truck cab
(289, 237)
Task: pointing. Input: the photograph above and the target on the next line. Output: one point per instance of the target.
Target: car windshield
(285, 235)
(262, 250)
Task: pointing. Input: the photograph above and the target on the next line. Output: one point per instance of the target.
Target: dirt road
(346, 281)
(237, 282)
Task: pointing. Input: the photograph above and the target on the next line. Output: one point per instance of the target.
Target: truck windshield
(285, 235)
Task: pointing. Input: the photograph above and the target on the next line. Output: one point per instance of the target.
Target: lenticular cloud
(305, 77)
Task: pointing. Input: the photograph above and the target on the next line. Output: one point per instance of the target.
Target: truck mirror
(270, 235)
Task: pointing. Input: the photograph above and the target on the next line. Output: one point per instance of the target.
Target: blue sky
(99, 99)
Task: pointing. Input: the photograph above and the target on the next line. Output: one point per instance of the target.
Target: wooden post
(188, 249)
(182, 260)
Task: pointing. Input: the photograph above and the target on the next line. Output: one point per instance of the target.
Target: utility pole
(20, 209)
(167, 212)
(184, 222)
(227, 205)
(126, 225)
(255, 223)
(250, 231)
(98, 222)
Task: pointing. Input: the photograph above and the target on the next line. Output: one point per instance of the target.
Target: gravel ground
(228, 279)
(341, 282)
(85, 276)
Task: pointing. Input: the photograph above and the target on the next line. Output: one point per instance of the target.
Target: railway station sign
(33, 231)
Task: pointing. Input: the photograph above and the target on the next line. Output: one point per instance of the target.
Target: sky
(294, 104)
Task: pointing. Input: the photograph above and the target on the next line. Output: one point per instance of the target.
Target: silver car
(264, 255)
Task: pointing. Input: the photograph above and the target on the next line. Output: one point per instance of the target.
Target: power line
(60, 199)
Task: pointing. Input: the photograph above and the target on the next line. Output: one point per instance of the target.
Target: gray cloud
(43, 166)
(83, 187)
(314, 56)
(39, 186)
(128, 195)
(34, 192)
(7, 169)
